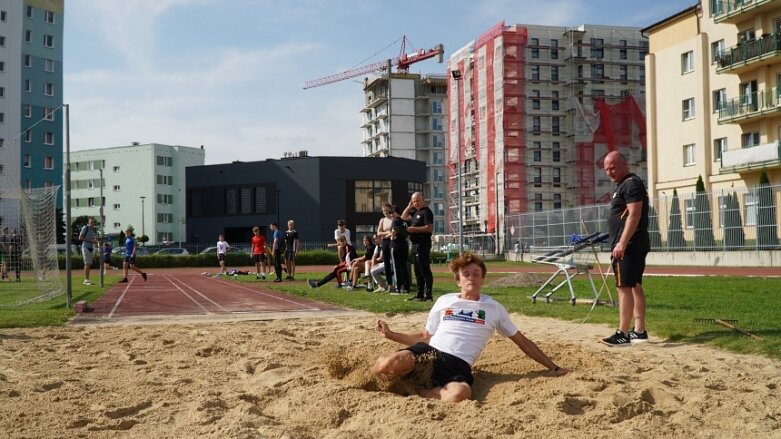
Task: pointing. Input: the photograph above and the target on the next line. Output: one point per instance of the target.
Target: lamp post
(496, 226)
(143, 233)
(457, 77)
(102, 228)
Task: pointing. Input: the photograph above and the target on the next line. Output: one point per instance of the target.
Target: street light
(496, 226)
(143, 233)
(457, 77)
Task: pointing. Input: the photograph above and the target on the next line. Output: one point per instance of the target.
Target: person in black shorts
(458, 328)
(292, 244)
(628, 227)
(421, 225)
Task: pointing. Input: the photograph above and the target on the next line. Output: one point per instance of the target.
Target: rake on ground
(728, 323)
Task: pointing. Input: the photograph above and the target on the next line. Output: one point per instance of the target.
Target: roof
(675, 16)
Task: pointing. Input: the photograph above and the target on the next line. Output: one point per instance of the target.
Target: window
(370, 195)
(687, 62)
(437, 124)
(2, 92)
(116, 188)
(719, 146)
(48, 40)
(48, 113)
(28, 36)
(688, 108)
(597, 71)
(556, 176)
(48, 138)
(164, 161)
(623, 72)
(438, 140)
(3, 15)
(535, 73)
(436, 107)
(28, 161)
(716, 51)
(437, 175)
(751, 203)
(622, 50)
(748, 96)
(554, 103)
(48, 89)
(117, 225)
(724, 209)
(688, 206)
(537, 177)
(2, 41)
(555, 123)
(554, 73)
(688, 155)
(438, 158)
(537, 155)
(28, 61)
(554, 49)
(261, 206)
(747, 140)
(165, 179)
(557, 201)
(535, 102)
(719, 99)
(597, 48)
(746, 36)
(643, 50)
(245, 200)
(48, 162)
(48, 65)
(29, 12)
(535, 46)
(165, 218)
(28, 86)
(28, 136)
(164, 199)
(536, 125)
(116, 168)
(2, 117)
(116, 206)
(556, 152)
(48, 17)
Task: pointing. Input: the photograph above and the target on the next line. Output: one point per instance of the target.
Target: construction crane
(402, 63)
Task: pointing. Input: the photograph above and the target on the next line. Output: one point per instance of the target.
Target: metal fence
(725, 220)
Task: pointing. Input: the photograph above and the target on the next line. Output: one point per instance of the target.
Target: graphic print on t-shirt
(465, 315)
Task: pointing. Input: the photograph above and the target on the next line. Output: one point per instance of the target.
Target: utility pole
(102, 238)
(68, 232)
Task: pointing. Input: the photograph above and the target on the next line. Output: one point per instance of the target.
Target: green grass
(673, 304)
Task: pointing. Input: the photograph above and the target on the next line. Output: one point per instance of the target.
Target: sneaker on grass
(311, 283)
(619, 339)
(638, 337)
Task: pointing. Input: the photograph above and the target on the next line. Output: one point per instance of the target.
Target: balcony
(733, 11)
(750, 54)
(751, 158)
(751, 107)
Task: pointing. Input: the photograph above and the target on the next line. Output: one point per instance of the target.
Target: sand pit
(308, 379)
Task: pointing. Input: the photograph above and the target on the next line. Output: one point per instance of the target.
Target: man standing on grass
(276, 248)
(292, 243)
(421, 225)
(628, 227)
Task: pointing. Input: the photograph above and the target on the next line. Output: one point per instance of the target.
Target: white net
(28, 237)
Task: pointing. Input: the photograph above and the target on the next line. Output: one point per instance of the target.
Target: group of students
(387, 253)
(284, 246)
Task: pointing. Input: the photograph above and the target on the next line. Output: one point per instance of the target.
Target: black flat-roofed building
(315, 192)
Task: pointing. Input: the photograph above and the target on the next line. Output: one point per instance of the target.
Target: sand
(307, 378)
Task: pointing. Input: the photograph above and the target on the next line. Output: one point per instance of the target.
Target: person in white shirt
(222, 249)
(458, 328)
(341, 231)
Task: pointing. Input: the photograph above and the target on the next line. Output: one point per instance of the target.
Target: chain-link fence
(718, 221)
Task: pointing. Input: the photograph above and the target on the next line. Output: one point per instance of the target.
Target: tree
(767, 236)
(675, 240)
(734, 236)
(60, 227)
(703, 222)
(653, 229)
(121, 239)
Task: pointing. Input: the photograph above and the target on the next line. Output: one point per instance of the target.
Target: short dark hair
(275, 225)
(340, 222)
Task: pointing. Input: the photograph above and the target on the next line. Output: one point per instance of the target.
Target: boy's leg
(393, 365)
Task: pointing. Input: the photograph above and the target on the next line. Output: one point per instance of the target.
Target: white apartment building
(714, 97)
(407, 120)
(533, 110)
(142, 186)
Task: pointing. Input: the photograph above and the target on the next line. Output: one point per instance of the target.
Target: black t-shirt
(290, 238)
(421, 217)
(630, 190)
(400, 227)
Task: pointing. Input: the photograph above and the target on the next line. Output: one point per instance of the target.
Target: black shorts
(629, 270)
(259, 258)
(447, 368)
(130, 259)
(220, 257)
(290, 256)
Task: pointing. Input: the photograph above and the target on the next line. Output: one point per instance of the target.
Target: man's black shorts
(629, 270)
(447, 368)
(220, 257)
(259, 258)
(290, 256)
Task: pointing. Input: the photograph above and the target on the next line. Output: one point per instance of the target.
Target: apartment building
(31, 64)
(407, 120)
(714, 98)
(532, 111)
(138, 185)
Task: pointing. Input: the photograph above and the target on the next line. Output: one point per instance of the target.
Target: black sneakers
(619, 339)
(638, 337)
(311, 283)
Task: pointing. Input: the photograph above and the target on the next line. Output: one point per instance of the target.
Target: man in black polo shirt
(421, 220)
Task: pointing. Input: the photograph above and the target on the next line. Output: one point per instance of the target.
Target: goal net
(28, 237)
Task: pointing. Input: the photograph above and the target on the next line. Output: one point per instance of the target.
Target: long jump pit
(189, 296)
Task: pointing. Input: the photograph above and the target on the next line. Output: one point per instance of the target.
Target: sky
(228, 74)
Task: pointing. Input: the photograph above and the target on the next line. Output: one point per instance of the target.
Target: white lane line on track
(121, 297)
(185, 284)
(238, 285)
(206, 311)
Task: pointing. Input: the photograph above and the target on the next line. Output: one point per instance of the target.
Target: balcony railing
(751, 157)
(729, 10)
(750, 106)
(749, 52)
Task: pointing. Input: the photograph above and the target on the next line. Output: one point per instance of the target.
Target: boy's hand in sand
(383, 328)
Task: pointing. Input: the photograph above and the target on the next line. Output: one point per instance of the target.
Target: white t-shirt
(346, 235)
(222, 247)
(463, 327)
